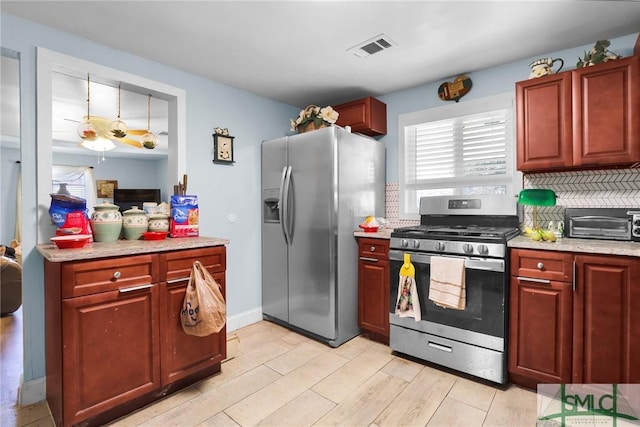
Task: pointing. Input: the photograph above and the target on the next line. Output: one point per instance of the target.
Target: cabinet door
(606, 113)
(110, 350)
(184, 354)
(373, 297)
(539, 332)
(367, 116)
(543, 120)
(606, 325)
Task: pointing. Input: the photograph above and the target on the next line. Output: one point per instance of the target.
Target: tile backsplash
(616, 188)
(392, 207)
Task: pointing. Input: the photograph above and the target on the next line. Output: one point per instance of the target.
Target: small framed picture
(222, 149)
(105, 188)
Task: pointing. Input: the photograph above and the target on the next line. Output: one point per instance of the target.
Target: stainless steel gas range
(476, 229)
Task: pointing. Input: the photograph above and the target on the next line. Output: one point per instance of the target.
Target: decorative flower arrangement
(598, 53)
(319, 116)
(221, 131)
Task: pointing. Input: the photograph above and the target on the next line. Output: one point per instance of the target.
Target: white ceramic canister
(134, 223)
(163, 209)
(106, 222)
(150, 208)
(159, 222)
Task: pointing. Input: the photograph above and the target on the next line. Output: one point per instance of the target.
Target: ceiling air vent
(376, 44)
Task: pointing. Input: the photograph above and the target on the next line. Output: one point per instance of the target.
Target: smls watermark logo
(588, 405)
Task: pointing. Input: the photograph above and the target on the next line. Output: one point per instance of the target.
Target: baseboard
(35, 390)
(31, 392)
(246, 318)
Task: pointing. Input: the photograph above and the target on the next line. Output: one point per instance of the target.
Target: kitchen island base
(114, 341)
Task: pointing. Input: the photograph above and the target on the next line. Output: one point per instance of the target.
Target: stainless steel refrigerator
(317, 187)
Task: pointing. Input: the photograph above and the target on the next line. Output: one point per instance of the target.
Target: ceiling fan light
(98, 144)
(149, 141)
(118, 129)
(87, 131)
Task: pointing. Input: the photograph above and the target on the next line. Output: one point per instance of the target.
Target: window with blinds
(75, 187)
(75, 180)
(462, 154)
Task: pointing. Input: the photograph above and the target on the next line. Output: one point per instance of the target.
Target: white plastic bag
(204, 311)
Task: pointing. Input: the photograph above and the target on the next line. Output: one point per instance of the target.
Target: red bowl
(369, 228)
(71, 241)
(155, 235)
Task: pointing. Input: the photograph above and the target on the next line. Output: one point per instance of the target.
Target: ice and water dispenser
(270, 204)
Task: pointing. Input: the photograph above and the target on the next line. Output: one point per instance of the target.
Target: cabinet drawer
(549, 265)
(176, 266)
(373, 248)
(80, 278)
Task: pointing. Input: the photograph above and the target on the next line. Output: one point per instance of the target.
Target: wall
(9, 172)
(222, 189)
(493, 81)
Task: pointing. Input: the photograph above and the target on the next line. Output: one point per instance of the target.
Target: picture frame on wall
(223, 149)
(105, 188)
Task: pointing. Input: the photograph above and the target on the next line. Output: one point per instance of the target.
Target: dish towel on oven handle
(447, 284)
(408, 303)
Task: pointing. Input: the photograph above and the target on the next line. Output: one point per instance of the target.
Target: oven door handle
(416, 257)
(470, 263)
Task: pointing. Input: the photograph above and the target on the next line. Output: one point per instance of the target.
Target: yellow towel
(447, 285)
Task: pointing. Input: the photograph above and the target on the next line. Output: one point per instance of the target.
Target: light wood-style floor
(281, 378)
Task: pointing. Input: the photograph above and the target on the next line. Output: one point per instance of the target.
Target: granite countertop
(589, 246)
(385, 233)
(125, 247)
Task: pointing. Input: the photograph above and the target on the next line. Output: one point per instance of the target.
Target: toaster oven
(603, 223)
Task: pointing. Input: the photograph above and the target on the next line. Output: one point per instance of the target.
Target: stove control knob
(636, 221)
(415, 244)
(404, 243)
(440, 246)
(483, 249)
(467, 248)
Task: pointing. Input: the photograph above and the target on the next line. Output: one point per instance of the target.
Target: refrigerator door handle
(286, 218)
(282, 206)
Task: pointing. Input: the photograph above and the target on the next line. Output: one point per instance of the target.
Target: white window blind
(461, 154)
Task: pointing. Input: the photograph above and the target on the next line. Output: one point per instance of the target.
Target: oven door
(486, 289)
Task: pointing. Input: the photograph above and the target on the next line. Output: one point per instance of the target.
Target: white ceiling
(296, 51)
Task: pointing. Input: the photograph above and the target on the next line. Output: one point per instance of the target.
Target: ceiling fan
(101, 125)
(97, 133)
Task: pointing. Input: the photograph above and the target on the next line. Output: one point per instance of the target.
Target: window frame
(512, 179)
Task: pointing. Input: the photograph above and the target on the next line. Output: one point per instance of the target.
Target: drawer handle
(531, 279)
(440, 347)
(117, 275)
(372, 249)
(540, 266)
(363, 258)
(134, 288)
(172, 281)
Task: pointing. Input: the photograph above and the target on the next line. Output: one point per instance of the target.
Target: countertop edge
(587, 246)
(97, 250)
(382, 234)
